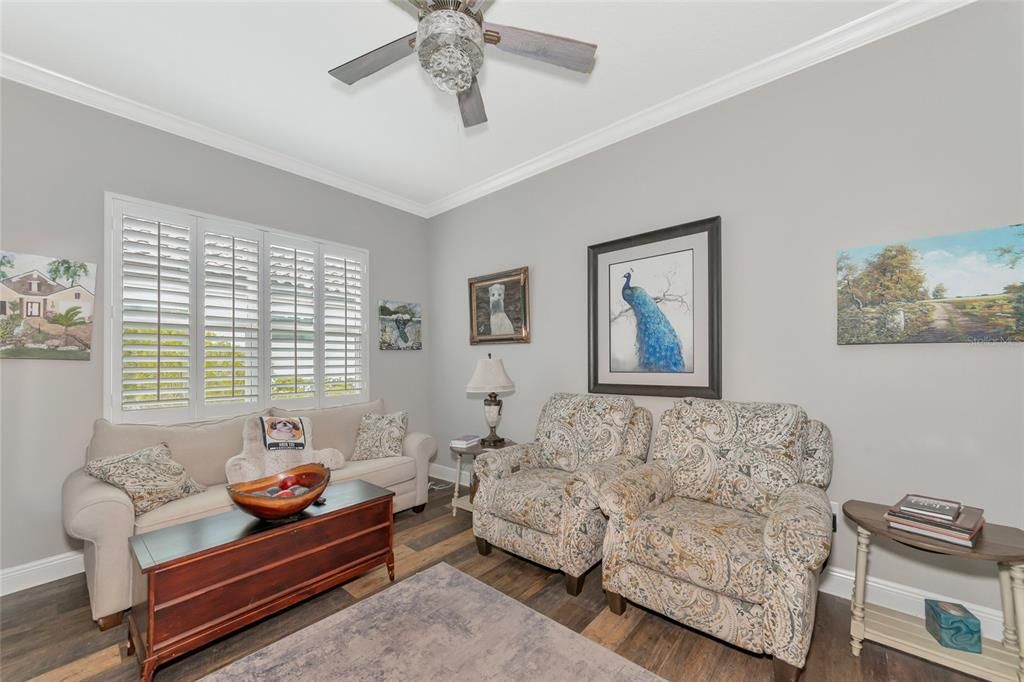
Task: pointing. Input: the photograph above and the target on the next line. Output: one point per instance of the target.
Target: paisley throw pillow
(380, 435)
(149, 476)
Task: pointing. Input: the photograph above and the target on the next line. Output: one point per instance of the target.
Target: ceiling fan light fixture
(450, 46)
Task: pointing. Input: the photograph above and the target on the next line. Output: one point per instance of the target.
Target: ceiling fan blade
(565, 52)
(471, 104)
(372, 62)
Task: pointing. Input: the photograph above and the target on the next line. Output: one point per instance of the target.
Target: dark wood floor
(46, 632)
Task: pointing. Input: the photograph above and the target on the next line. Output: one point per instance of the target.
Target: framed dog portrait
(499, 307)
(656, 312)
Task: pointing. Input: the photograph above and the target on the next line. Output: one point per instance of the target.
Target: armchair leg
(616, 603)
(574, 583)
(107, 622)
(483, 546)
(784, 672)
(418, 509)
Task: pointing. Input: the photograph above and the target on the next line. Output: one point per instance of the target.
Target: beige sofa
(104, 518)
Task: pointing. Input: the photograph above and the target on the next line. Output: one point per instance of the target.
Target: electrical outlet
(835, 516)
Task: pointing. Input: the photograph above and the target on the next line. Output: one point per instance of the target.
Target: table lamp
(490, 378)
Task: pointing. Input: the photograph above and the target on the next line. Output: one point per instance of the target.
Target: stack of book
(465, 441)
(943, 520)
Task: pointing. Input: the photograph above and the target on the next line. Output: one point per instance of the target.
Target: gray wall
(58, 158)
(916, 135)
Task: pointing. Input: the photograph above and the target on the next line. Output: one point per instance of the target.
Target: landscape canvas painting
(651, 322)
(960, 288)
(400, 325)
(46, 307)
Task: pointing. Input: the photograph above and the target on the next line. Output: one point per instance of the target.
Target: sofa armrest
(103, 516)
(626, 496)
(799, 527)
(505, 462)
(421, 447)
(585, 485)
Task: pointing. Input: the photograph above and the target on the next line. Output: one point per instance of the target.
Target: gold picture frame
(499, 307)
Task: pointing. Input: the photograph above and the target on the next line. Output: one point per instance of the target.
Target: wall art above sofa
(46, 307)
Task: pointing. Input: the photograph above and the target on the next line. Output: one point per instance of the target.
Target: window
(210, 317)
(78, 295)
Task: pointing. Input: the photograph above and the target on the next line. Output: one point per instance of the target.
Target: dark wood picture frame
(522, 275)
(713, 228)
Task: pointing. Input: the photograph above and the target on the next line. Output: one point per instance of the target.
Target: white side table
(465, 502)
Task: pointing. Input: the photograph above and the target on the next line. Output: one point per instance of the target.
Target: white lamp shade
(490, 377)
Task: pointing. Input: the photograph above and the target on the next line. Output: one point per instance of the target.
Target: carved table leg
(857, 603)
(1009, 618)
(1017, 586)
(391, 566)
(458, 479)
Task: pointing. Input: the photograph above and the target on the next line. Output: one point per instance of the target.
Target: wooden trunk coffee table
(212, 576)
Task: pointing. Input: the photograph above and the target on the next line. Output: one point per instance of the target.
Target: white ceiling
(257, 72)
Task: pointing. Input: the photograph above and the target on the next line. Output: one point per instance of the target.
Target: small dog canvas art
(283, 433)
(499, 307)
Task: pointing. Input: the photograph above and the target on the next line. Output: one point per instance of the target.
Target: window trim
(200, 223)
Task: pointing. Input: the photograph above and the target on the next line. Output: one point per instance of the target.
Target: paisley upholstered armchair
(539, 500)
(727, 526)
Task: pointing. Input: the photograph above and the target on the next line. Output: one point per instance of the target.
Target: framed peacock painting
(656, 312)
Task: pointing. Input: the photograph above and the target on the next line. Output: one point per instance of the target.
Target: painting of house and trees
(46, 307)
(960, 288)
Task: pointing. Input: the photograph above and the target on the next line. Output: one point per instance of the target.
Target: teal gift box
(952, 625)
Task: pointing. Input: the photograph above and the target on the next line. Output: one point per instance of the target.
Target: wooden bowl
(245, 494)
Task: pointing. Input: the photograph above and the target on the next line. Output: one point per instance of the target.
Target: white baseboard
(448, 473)
(908, 600)
(24, 576)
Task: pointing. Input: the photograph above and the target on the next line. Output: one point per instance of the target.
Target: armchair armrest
(585, 485)
(625, 497)
(505, 462)
(799, 527)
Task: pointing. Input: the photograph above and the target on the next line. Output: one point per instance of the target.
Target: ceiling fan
(450, 43)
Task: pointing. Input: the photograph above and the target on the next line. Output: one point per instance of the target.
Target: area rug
(439, 624)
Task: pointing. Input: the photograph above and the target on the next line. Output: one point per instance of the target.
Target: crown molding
(883, 22)
(879, 24)
(37, 77)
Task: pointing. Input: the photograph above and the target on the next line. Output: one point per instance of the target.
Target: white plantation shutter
(292, 306)
(210, 317)
(155, 330)
(344, 330)
(231, 318)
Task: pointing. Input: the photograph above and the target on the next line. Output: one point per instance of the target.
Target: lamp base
(492, 440)
(492, 411)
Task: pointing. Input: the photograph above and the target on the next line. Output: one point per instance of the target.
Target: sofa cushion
(380, 435)
(150, 477)
(385, 471)
(335, 427)
(201, 447)
(714, 547)
(531, 498)
(213, 500)
(738, 455)
(575, 430)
